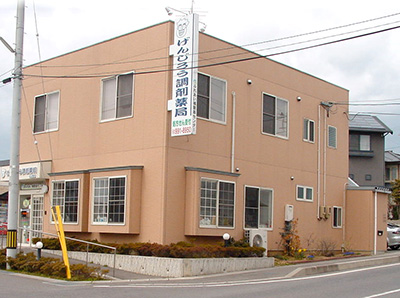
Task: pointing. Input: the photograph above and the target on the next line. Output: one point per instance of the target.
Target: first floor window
(275, 116)
(337, 217)
(308, 130)
(217, 203)
(66, 194)
(258, 207)
(46, 112)
(304, 193)
(109, 200)
(117, 97)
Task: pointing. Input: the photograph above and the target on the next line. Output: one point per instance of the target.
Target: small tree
(290, 238)
(396, 191)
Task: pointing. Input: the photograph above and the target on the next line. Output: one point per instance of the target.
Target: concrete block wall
(171, 267)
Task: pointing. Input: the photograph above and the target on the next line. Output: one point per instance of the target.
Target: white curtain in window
(108, 100)
(218, 92)
(282, 118)
(52, 111)
(364, 143)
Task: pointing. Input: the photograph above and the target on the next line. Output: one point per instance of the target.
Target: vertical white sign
(184, 82)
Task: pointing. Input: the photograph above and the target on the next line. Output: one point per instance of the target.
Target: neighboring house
(3, 203)
(392, 170)
(392, 167)
(367, 150)
(3, 197)
(266, 150)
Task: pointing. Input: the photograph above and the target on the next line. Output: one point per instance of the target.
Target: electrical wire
(229, 61)
(244, 46)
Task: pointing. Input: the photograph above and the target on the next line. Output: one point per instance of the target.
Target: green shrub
(54, 267)
(3, 259)
(182, 249)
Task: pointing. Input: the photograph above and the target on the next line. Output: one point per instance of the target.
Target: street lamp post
(13, 192)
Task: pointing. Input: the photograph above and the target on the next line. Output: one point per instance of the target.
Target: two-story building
(367, 149)
(269, 146)
(392, 170)
(392, 167)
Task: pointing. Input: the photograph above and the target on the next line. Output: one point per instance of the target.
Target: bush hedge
(237, 249)
(51, 267)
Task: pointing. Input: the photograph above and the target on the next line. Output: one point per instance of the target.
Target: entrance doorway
(31, 216)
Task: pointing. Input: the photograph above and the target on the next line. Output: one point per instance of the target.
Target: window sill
(361, 153)
(275, 135)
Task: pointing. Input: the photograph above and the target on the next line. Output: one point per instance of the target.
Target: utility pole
(13, 191)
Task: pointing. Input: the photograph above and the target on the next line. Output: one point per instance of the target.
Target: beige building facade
(270, 143)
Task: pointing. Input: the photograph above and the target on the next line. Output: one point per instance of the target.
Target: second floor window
(211, 98)
(332, 139)
(360, 142)
(308, 130)
(117, 97)
(275, 116)
(46, 112)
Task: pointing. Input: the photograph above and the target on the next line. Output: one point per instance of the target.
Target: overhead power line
(229, 61)
(246, 45)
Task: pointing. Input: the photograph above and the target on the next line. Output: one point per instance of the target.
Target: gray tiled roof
(4, 163)
(367, 123)
(390, 156)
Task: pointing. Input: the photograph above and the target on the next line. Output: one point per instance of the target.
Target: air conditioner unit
(258, 238)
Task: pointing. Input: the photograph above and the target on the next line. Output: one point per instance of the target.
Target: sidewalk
(289, 271)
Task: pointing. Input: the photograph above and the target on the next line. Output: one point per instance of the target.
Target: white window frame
(365, 143)
(393, 173)
(337, 218)
(275, 116)
(37, 212)
(308, 130)
(271, 211)
(217, 207)
(213, 102)
(115, 107)
(62, 208)
(305, 190)
(47, 116)
(108, 197)
(331, 138)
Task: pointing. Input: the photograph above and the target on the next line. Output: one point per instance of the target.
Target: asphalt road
(379, 281)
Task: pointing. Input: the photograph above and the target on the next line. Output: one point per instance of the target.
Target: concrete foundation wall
(171, 267)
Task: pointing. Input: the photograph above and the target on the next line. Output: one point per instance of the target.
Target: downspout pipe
(233, 131)
(375, 219)
(319, 164)
(344, 216)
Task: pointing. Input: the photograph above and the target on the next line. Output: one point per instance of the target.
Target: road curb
(342, 266)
